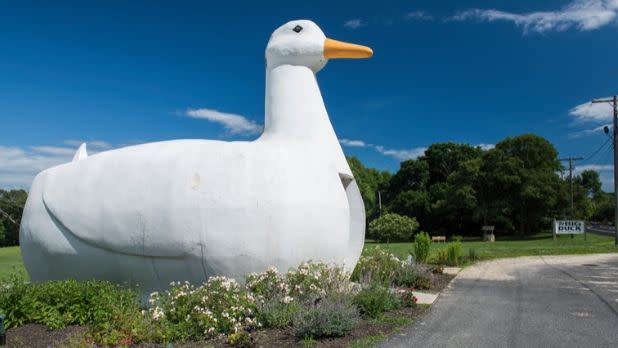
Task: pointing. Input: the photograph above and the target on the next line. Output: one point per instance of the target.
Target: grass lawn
(10, 261)
(540, 244)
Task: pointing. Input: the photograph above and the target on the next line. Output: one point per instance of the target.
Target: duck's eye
(298, 28)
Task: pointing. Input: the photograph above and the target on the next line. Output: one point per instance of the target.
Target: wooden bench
(438, 239)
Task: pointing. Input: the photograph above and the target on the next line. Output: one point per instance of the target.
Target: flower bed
(311, 302)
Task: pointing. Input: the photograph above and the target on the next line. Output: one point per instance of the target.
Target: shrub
(266, 286)
(333, 316)
(239, 339)
(374, 300)
(279, 297)
(184, 311)
(311, 280)
(422, 245)
(453, 253)
(442, 256)
(111, 312)
(407, 298)
(377, 266)
(392, 227)
(277, 314)
(423, 276)
(436, 269)
(473, 255)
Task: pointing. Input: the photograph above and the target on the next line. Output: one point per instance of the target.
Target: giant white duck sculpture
(189, 209)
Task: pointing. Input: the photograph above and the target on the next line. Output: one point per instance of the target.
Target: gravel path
(550, 301)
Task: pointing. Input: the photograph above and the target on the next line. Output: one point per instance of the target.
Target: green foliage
(380, 266)
(441, 257)
(333, 316)
(311, 280)
(377, 265)
(12, 204)
(369, 181)
(185, 311)
(407, 298)
(453, 253)
(392, 227)
(457, 188)
(473, 255)
(422, 246)
(239, 339)
(277, 314)
(374, 300)
(111, 311)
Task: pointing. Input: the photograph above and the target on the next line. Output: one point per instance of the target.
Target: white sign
(569, 227)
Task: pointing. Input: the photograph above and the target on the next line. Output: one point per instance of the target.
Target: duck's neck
(294, 105)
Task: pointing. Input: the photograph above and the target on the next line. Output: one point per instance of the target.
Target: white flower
(157, 313)
(287, 299)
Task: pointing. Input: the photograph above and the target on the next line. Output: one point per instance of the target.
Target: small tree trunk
(522, 225)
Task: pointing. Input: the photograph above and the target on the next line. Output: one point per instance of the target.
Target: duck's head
(302, 42)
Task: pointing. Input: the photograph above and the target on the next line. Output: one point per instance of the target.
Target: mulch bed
(35, 336)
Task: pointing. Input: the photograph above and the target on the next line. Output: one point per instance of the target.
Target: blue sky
(113, 73)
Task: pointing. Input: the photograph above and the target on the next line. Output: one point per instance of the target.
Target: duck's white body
(189, 209)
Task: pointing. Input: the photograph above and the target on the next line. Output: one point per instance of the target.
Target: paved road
(551, 301)
(600, 229)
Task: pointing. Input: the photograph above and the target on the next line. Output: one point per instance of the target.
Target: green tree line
(11, 208)
(519, 186)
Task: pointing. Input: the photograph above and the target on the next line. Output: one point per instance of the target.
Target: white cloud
(92, 144)
(485, 146)
(354, 23)
(418, 15)
(595, 167)
(589, 112)
(402, 154)
(352, 143)
(591, 131)
(584, 15)
(19, 165)
(233, 123)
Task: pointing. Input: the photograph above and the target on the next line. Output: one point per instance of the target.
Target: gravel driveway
(541, 301)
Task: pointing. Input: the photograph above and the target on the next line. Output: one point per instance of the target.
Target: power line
(591, 156)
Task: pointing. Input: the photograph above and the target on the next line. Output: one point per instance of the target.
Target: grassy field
(10, 261)
(540, 244)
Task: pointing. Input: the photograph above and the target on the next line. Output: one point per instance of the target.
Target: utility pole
(614, 102)
(571, 159)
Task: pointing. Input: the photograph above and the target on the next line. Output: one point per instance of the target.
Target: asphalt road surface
(600, 229)
(550, 301)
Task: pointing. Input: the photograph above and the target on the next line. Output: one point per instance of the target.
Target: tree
(524, 170)
(369, 181)
(392, 227)
(590, 181)
(445, 158)
(11, 203)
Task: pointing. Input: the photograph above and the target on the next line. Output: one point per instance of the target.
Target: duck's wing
(134, 202)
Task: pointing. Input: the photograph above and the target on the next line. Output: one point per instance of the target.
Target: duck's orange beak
(339, 49)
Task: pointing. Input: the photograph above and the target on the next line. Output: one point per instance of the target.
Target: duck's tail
(81, 153)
